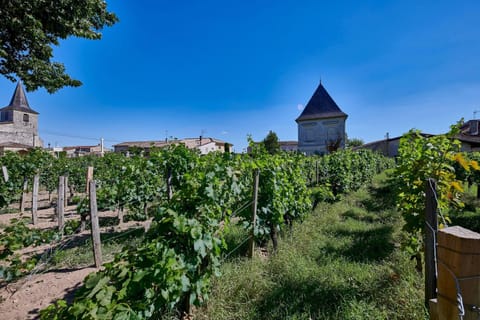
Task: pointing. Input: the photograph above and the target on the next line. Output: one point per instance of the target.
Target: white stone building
(321, 125)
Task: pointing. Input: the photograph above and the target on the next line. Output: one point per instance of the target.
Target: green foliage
(354, 142)
(30, 29)
(271, 143)
(182, 250)
(347, 170)
(18, 235)
(191, 199)
(421, 158)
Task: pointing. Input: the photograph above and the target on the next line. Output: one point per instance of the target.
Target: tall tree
(271, 142)
(29, 29)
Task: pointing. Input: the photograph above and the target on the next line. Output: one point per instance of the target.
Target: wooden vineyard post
(169, 184)
(89, 178)
(430, 245)
(24, 196)
(36, 182)
(60, 203)
(458, 273)
(65, 194)
(97, 245)
(120, 215)
(5, 173)
(251, 243)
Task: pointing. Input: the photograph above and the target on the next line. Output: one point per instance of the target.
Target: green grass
(342, 262)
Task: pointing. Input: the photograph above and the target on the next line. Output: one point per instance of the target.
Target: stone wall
(20, 131)
(314, 135)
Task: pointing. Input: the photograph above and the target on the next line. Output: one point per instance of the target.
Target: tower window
(25, 117)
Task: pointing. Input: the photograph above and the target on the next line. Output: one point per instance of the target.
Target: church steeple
(19, 101)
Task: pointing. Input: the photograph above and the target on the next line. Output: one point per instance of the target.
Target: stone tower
(321, 126)
(19, 122)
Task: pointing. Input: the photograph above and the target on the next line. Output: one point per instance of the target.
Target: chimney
(474, 127)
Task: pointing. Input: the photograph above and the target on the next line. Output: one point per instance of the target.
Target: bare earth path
(24, 299)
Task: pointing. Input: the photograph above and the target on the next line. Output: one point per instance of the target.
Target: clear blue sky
(232, 68)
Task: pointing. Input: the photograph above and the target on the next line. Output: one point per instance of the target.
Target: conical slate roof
(19, 101)
(321, 106)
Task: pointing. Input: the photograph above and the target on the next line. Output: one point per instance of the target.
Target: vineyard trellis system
(190, 199)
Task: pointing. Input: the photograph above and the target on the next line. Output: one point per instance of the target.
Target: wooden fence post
(169, 184)
(60, 203)
(430, 245)
(97, 245)
(5, 173)
(24, 196)
(36, 182)
(65, 195)
(89, 178)
(251, 243)
(458, 273)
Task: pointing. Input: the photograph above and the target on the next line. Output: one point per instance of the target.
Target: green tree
(271, 143)
(354, 142)
(29, 29)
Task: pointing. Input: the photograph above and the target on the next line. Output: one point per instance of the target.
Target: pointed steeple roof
(321, 106)
(19, 101)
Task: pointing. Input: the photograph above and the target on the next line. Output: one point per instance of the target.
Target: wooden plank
(36, 182)
(430, 245)
(251, 243)
(97, 245)
(60, 203)
(5, 173)
(458, 272)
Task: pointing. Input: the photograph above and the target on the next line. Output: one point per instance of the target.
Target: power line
(66, 135)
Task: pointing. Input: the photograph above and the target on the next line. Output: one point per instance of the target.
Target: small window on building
(25, 117)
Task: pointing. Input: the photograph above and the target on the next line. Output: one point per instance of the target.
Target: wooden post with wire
(65, 195)
(430, 243)
(36, 182)
(89, 178)
(61, 203)
(5, 173)
(24, 196)
(97, 245)
(251, 243)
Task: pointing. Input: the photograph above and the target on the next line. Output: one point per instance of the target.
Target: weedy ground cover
(343, 262)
